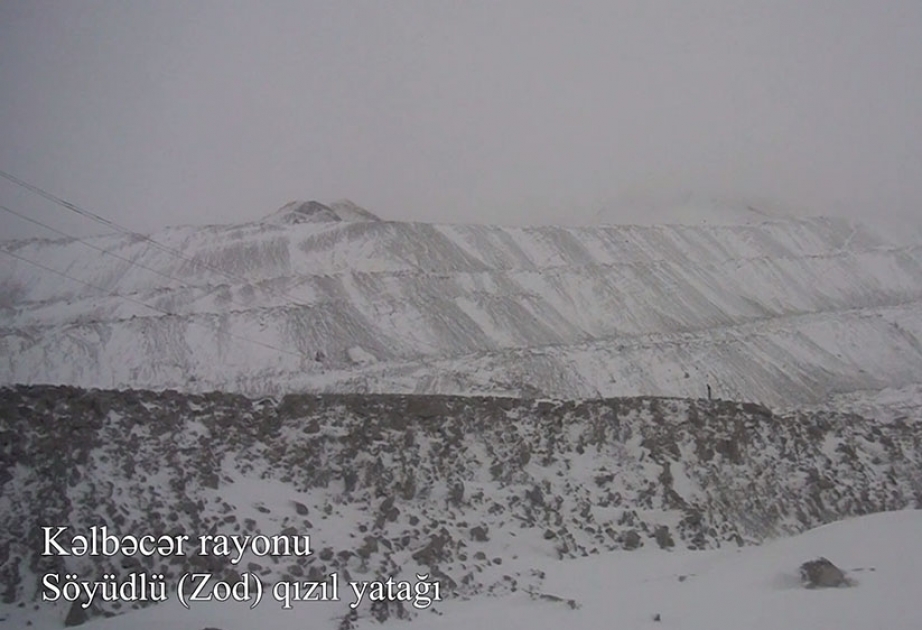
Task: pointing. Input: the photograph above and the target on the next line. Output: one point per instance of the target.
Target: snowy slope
(697, 209)
(754, 588)
(784, 312)
(480, 494)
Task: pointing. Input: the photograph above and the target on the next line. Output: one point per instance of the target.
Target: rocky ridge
(460, 488)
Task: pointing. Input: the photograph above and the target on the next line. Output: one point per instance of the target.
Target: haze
(526, 112)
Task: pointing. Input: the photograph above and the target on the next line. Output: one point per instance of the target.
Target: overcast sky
(162, 112)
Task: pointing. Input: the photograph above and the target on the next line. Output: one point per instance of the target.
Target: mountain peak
(296, 212)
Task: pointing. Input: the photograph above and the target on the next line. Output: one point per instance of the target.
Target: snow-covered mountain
(328, 298)
(338, 327)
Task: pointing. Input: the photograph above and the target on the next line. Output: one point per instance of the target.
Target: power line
(169, 250)
(107, 252)
(90, 245)
(61, 202)
(160, 246)
(153, 308)
(124, 230)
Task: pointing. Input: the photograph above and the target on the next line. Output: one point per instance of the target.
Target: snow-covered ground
(756, 588)
(528, 508)
(484, 495)
(753, 588)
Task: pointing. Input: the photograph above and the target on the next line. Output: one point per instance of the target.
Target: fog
(524, 112)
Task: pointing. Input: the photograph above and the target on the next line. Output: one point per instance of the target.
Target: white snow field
(751, 588)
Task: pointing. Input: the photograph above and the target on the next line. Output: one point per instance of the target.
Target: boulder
(821, 573)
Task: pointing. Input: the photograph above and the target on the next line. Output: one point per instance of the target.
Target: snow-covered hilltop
(328, 298)
(316, 212)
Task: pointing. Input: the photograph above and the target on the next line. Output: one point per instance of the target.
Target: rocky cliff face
(463, 489)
